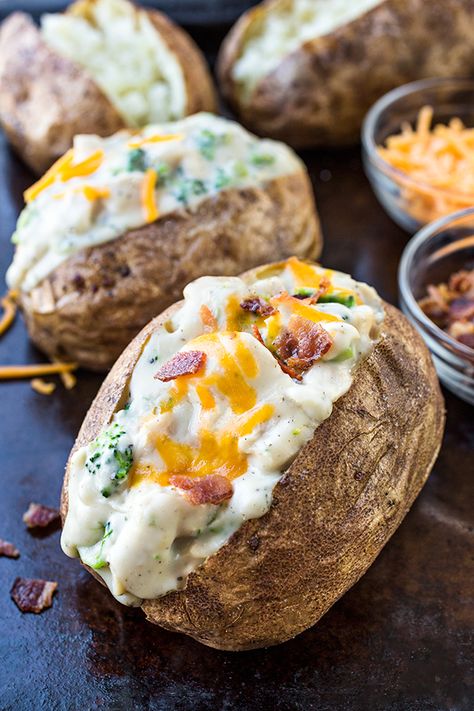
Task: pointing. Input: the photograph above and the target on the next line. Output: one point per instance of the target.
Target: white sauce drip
(210, 154)
(145, 539)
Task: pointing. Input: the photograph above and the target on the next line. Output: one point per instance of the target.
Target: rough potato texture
(332, 513)
(320, 93)
(92, 305)
(46, 99)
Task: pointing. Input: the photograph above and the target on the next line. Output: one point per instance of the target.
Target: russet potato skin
(335, 508)
(46, 99)
(320, 93)
(91, 306)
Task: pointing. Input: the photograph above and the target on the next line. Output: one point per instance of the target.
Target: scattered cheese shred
(9, 307)
(85, 167)
(14, 372)
(148, 196)
(157, 138)
(42, 387)
(94, 193)
(436, 166)
(49, 177)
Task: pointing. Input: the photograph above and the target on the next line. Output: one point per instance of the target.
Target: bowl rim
(371, 118)
(406, 294)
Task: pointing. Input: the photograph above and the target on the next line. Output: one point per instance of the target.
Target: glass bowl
(430, 257)
(396, 191)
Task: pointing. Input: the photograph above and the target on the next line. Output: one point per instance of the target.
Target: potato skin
(332, 513)
(320, 93)
(46, 99)
(90, 307)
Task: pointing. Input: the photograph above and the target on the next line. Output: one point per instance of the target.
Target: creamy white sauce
(208, 154)
(144, 537)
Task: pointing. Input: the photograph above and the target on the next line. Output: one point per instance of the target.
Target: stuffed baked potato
(214, 483)
(307, 71)
(113, 232)
(101, 66)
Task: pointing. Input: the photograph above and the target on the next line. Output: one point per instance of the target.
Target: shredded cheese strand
(49, 177)
(148, 196)
(15, 372)
(9, 307)
(42, 387)
(137, 143)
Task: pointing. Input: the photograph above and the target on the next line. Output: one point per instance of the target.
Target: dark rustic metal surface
(400, 640)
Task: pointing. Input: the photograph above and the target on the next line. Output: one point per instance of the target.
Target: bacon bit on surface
(257, 334)
(9, 307)
(42, 387)
(183, 363)
(8, 549)
(39, 516)
(435, 165)
(33, 595)
(258, 306)
(211, 489)
(302, 344)
(451, 306)
(208, 319)
(14, 372)
(148, 195)
(289, 371)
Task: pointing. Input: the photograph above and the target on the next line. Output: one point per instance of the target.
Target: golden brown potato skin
(332, 513)
(90, 307)
(319, 94)
(46, 99)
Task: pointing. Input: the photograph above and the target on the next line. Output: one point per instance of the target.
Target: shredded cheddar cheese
(148, 195)
(435, 165)
(157, 138)
(9, 307)
(15, 372)
(42, 387)
(64, 169)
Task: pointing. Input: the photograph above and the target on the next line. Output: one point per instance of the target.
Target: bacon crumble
(183, 363)
(450, 305)
(211, 489)
(324, 286)
(258, 306)
(302, 344)
(39, 516)
(33, 595)
(8, 549)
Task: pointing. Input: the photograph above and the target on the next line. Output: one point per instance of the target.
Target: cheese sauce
(240, 416)
(104, 187)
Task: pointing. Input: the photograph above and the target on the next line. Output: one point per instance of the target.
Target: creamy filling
(242, 417)
(286, 26)
(107, 186)
(118, 45)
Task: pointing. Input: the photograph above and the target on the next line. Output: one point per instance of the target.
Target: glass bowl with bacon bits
(418, 150)
(436, 288)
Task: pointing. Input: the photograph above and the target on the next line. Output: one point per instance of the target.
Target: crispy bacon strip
(212, 489)
(289, 371)
(33, 595)
(258, 306)
(208, 319)
(8, 550)
(302, 344)
(39, 516)
(183, 363)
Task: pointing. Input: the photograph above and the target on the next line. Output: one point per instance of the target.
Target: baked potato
(307, 71)
(207, 483)
(115, 229)
(101, 66)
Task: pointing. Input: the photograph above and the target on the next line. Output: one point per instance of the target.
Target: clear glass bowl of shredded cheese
(438, 255)
(418, 150)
